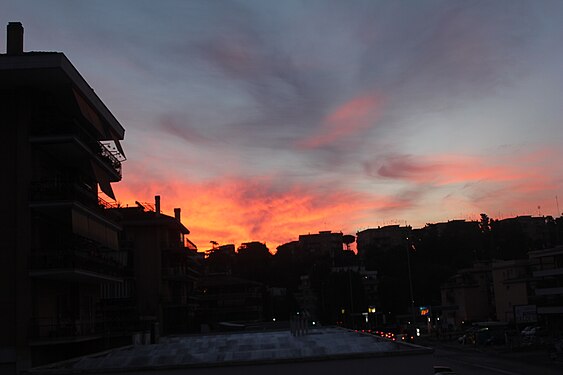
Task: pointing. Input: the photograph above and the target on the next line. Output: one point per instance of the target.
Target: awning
(103, 180)
(88, 112)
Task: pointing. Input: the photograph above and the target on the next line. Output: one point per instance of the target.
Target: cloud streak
(347, 119)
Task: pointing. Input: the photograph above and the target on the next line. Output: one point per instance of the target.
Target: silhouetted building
(512, 288)
(382, 239)
(323, 243)
(471, 290)
(164, 264)
(514, 237)
(548, 293)
(228, 299)
(288, 249)
(59, 242)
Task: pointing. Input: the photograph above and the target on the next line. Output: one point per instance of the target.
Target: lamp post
(410, 281)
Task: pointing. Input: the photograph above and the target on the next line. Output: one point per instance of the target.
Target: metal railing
(77, 253)
(59, 328)
(62, 188)
(107, 156)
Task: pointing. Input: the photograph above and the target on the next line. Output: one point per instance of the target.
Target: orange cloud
(347, 119)
(461, 186)
(240, 210)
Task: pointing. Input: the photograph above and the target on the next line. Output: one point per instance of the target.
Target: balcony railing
(107, 157)
(78, 253)
(549, 291)
(67, 328)
(60, 327)
(63, 189)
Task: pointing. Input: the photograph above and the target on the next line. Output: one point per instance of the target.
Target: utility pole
(410, 281)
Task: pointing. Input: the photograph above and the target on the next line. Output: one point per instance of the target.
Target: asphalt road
(489, 363)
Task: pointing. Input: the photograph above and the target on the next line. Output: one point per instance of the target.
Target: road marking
(496, 369)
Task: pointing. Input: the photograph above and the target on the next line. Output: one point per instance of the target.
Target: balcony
(65, 330)
(78, 151)
(54, 330)
(64, 189)
(549, 272)
(79, 259)
(106, 156)
(549, 291)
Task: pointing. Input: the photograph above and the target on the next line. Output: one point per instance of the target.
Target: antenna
(557, 203)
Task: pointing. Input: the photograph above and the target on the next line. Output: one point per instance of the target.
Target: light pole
(410, 281)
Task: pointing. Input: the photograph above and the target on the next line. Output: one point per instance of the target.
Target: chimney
(14, 44)
(177, 213)
(157, 204)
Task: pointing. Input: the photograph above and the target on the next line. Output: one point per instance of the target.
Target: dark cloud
(399, 167)
(179, 126)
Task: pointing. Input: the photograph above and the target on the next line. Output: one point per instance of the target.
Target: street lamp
(410, 281)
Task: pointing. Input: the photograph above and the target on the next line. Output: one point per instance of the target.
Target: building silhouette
(163, 266)
(547, 274)
(59, 242)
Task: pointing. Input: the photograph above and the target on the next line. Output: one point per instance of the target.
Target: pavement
(535, 356)
(236, 348)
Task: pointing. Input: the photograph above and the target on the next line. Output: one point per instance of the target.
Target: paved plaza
(238, 348)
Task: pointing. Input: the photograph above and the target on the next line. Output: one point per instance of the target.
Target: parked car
(443, 370)
(530, 331)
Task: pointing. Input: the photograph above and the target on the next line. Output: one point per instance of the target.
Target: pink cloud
(441, 170)
(510, 184)
(347, 119)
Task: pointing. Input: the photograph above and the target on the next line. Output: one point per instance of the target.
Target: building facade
(470, 291)
(547, 275)
(512, 288)
(164, 266)
(60, 243)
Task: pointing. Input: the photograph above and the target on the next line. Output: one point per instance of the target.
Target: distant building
(471, 291)
(382, 239)
(290, 249)
(323, 243)
(165, 266)
(534, 228)
(60, 244)
(548, 295)
(515, 237)
(511, 282)
(229, 299)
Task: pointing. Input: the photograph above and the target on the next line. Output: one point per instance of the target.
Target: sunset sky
(264, 119)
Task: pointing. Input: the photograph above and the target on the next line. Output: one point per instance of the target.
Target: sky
(264, 119)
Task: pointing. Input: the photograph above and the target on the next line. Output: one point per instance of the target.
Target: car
(443, 370)
(530, 331)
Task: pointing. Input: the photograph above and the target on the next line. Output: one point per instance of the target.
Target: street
(490, 363)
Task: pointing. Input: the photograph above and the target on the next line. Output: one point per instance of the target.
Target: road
(489, 363)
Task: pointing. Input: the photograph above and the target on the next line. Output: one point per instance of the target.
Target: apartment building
(512, 288)
(164, 266)
(59, 242)
(547, 275)
(470, 291)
